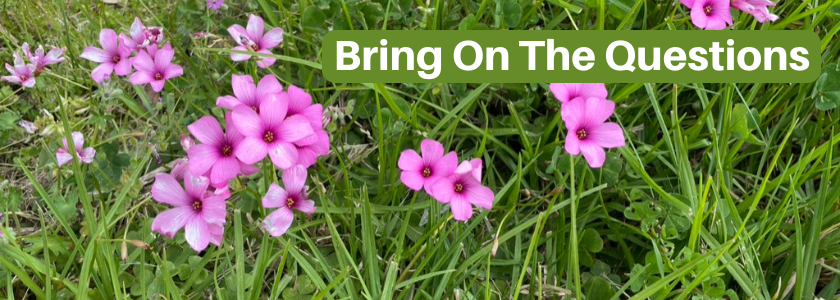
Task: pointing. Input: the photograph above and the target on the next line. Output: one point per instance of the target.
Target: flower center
(268, 137)
(154, 31)
(158, 76)
(115, 59)
(256, 109)
(227, 150)
(581, 134)
(24, 78)
(290, 202)
(253, 47)
(708, 9)
(427, 172)
(196, 205)
(459, 187)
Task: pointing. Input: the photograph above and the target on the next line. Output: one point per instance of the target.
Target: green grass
(723, 190)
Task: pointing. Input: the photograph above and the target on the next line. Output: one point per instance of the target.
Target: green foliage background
(724, 191)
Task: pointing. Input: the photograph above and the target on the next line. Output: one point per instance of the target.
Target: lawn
(720, 191)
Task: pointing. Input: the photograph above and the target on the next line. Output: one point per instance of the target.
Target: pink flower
(85, 156)
(215, 153)
(588, 130)
(141, 36)
(41, 60)
(248, 94)
(155, 71)
(270, 132)
(300, 103)
(756, 8)
(252, 39)
(293, 197)
(565, 92)
(112, 57)
(180, 168)
(463, 189)
(22, 73)
(201, 214)
(28, 126)
(308, 154)
(186, 142)
(419, 172)
(710, 14)
(215, 4)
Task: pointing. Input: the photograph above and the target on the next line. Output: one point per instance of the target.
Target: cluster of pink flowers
(252, 39)
(440, 175)
(215, 4)
(24, 73)
(153, 64)
(263, 121)
(716, 14)
(85, 155)
(585, 110)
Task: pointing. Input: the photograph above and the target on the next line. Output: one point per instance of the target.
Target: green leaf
(467, 23)
(597, 288)
(611, 169)
(742, 118)
(828, 88)
(314, 19)
(591, 241)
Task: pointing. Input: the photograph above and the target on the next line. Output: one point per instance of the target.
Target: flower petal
(461, 209)
(278, 222)
(607, 135)
(305, 206)
(275, 197)
(87, 155)
(197, 234)
(293, 129)
(272, 38)
(294, 179)
(598, 110)
(446, 165)
(268, 85)
(593, 153)
(213, 208)
(431, 151)
(95, 55)
(412, 179)
(284, 155)
(228, 102)
(273, 111)
(223, 171)
(240, 56)
(443, 190)
(244, 89)
(167, 190)
(480, 196)
(101, 72)
(63, 157)
(255, 28)
(143, 62)
(140, 78)
(169, 222)
(251, 150)
(572, 143)
(108, 40)
(195, 185)
(410, 161)
(247, 122)
(208, 131)
(573, 114)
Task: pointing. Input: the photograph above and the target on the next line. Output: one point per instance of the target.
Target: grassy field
(723, 191)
